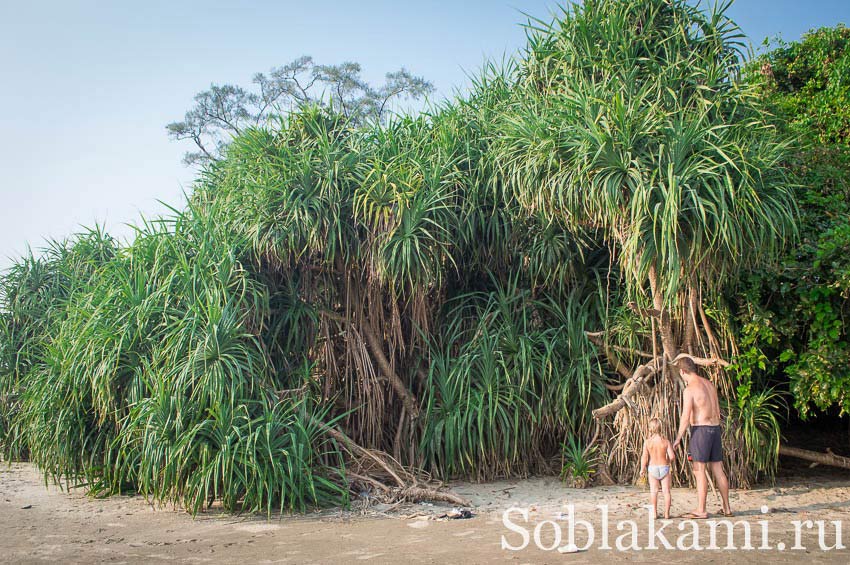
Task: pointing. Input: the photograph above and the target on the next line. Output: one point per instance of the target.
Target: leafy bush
(508, 373)
(794, 312)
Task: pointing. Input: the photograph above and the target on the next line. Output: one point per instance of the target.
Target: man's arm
(685, 420)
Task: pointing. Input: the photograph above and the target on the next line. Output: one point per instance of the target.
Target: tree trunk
(407, 398)
(375, 346)
(668, 342)
(633, 386)
(822, 458)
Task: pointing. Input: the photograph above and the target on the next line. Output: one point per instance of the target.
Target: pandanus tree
(631, 122)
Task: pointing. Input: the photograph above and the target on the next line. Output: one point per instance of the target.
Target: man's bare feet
(694, 516)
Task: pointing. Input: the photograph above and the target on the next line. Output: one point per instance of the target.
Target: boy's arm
(644, 460)
(671, 455)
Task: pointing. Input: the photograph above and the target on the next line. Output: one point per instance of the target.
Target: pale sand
(60, 527)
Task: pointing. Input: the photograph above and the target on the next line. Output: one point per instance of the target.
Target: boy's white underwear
(658, 472)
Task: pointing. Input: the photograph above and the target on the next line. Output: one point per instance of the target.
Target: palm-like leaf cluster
(633, 122)
(154, 376)
(510, 375)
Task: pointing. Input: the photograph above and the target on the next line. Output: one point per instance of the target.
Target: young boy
(656, 458)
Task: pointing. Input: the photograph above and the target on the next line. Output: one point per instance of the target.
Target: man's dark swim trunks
(706, 445)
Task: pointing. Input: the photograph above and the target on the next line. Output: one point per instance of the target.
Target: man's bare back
(704, 405)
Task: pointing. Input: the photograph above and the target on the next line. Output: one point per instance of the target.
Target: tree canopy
(226, 111)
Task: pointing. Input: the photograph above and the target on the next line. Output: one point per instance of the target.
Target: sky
(86, 87)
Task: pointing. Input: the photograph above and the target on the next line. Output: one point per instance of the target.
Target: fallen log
(816, 457)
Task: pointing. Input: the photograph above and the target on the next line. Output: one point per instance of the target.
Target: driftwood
(415, 494)
(373, 466)
(821, 458)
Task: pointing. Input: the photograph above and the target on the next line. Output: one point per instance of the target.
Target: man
(701, 411)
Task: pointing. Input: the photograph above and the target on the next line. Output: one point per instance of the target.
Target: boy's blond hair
(654, 426)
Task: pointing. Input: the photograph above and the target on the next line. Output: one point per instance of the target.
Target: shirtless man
(701, 411)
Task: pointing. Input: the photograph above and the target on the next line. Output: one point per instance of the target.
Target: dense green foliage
(143, 372)
(651, 140)
(312, 266)
(796, 312)
(455, 289)
(806, 83)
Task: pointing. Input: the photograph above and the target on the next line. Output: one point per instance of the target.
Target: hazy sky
(86, 87)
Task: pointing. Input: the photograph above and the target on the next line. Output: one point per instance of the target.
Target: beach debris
(458, 514)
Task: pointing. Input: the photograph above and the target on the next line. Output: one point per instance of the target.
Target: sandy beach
(41, 524)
